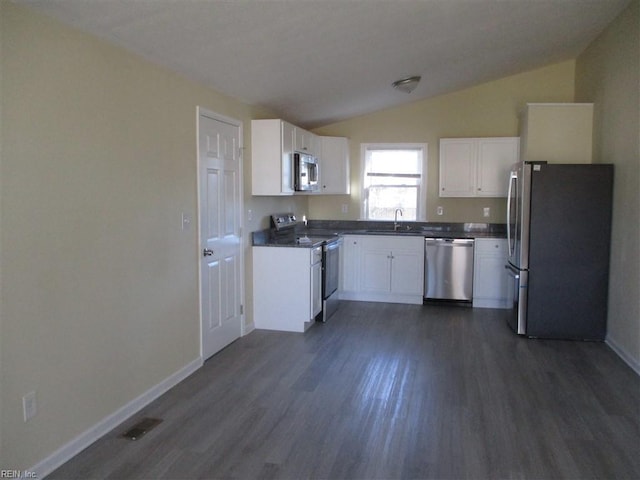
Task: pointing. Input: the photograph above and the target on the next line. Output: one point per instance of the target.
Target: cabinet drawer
(491, 246)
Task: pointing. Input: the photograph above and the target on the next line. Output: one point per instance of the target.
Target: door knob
(207, 252)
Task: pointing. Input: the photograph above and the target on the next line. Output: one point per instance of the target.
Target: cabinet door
(492, 287)
(407, 266)
(491, 278)
(376, 269)
(350, 258)
(304, 141)
(457, 167)
(334, 165)
(496, 157)
(316, 290)
(287, 157)
(407, 272)
(271, 166)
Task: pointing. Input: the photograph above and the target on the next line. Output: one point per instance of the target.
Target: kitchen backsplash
(353, 225)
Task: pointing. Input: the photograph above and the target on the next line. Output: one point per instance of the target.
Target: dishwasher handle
(450, 242)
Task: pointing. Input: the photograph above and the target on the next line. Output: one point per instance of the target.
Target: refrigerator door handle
(513, 178)
(518, 318)
(512, 271)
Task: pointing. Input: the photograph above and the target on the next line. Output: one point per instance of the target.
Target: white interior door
(220, 205)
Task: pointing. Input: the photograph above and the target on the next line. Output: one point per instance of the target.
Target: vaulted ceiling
(314, 62)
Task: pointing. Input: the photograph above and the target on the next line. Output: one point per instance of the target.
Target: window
(393, 178)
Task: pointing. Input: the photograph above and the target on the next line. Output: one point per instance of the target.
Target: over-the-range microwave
(305, 172)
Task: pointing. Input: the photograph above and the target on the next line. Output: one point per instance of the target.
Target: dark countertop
(319, 231)
(422, 229)
(297, 239)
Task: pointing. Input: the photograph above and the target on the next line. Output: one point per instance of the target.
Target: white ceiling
(314, 62)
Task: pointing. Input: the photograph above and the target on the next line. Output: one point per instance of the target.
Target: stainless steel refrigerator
(559, 230)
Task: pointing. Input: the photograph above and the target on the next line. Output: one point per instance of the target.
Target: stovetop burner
(282, 221)
(284, 232)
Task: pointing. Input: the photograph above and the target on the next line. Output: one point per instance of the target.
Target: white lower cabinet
(382, 268)
(287, 287)
(350, 264)
(316, 289)
(491, 285)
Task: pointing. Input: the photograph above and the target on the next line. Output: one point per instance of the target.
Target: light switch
(186, 221)
(29, 406)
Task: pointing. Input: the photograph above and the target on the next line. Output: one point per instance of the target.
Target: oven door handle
(332, 245)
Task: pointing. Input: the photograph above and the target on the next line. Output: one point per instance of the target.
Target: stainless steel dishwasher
(448, 269)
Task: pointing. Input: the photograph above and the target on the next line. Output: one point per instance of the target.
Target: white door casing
(220, 215)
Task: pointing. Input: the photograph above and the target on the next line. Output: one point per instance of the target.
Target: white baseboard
(82, 441)
(381, 297)
(628, 359)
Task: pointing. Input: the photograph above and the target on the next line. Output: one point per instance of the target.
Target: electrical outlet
(486, 211)
(345, 208)
(439, 210)
(29, 406)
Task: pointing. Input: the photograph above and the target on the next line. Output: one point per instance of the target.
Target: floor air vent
(141, 428)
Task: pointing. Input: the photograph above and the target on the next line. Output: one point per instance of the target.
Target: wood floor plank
(387, 391)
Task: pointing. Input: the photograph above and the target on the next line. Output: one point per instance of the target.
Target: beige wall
(99, 283)
(486, 110)
(608, 74)
(2, 436)
(97, 156)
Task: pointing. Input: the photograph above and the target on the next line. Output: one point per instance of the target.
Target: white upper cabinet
(496, 157)
(305, 142)
(271, 162)
(476, 167)
(334, 166)
(273, 142)
(458, 167)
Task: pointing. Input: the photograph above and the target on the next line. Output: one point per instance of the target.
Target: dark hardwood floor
(388, 391)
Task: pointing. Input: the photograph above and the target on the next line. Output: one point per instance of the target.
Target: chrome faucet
(395, 219)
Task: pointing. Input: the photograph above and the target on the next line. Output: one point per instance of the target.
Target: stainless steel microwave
(305, 172)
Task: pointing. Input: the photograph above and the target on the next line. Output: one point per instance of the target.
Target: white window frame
(421, 210)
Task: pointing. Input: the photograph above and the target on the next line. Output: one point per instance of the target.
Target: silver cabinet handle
(207, 252)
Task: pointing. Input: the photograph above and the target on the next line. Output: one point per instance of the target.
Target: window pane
(392, 180)
(384, 200)
(382, 180)
(394, 161)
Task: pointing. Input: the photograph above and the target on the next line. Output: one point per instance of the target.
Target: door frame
(200, 111)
